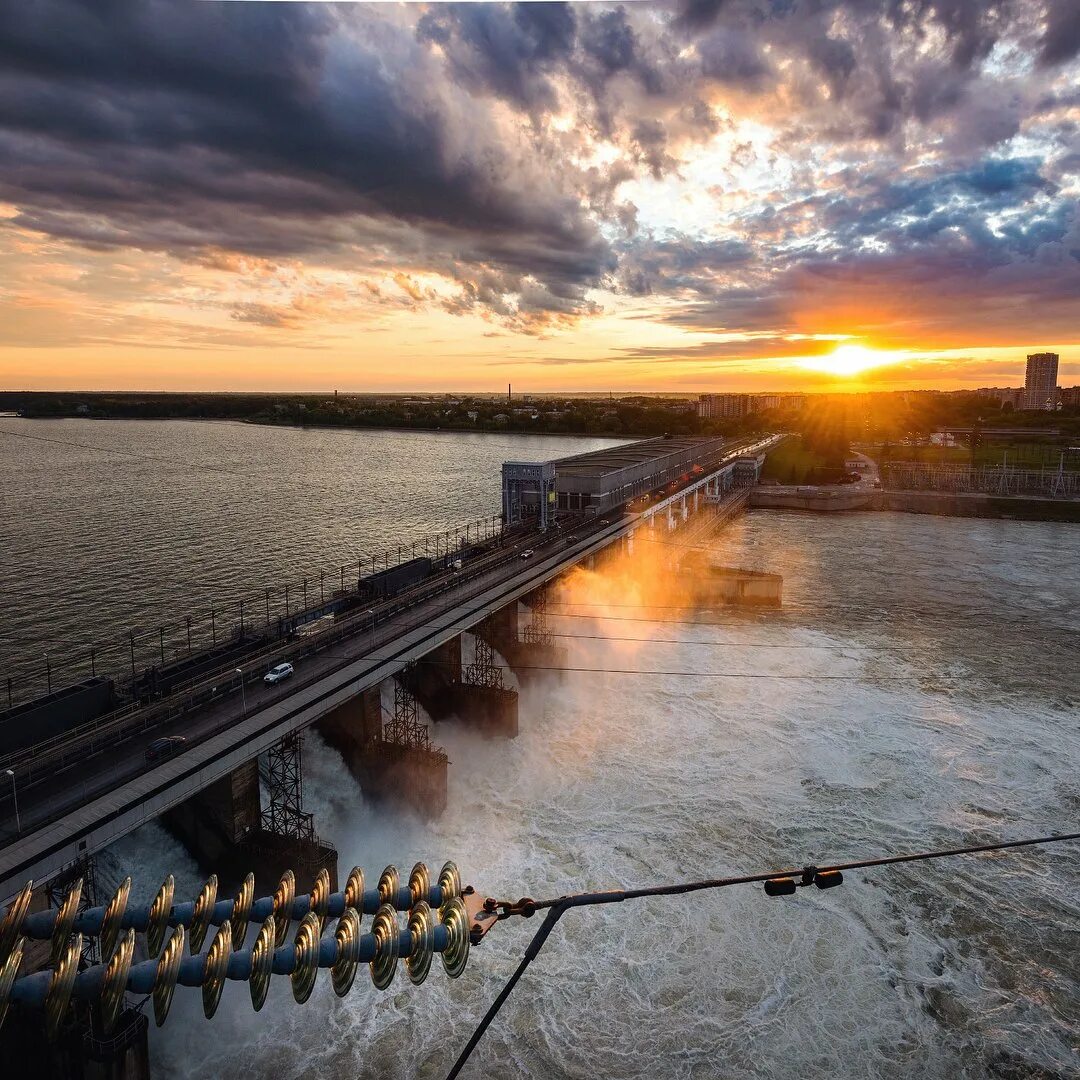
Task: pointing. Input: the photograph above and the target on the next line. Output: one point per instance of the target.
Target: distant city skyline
(690, 198)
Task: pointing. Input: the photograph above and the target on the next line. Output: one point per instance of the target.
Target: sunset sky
(706, 195)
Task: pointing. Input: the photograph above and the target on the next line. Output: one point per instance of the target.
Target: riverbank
(937, 503)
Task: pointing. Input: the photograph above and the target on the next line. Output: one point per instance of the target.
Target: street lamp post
(15, 799)
(243, 690)
(371, 612)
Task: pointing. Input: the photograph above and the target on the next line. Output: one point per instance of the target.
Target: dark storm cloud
(510, 52)
(1062, 38)
(269, 128)
(491, 144)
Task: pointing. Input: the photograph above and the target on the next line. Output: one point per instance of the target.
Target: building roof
(608, 460)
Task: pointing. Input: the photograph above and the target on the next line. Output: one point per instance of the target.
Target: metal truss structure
(538, 632)
(483, 671)
(984, 479)
(78, 880)
(284, 777)
(405, 728)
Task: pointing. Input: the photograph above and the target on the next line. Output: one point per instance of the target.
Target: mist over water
(939, 706)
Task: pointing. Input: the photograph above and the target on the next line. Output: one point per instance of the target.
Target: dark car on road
(160, 749)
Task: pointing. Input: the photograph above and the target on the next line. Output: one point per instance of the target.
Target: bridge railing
(47, 758)
(128, 658)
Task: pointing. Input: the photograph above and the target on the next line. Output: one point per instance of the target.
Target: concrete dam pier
(722, 585)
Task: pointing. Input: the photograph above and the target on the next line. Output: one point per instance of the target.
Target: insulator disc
(65, 919)
(160, 910)
(307, 958)
(389, 884)
(450, 881)
(11, 925)
(115, 984)
(284, 896)
(456, 920)
(241, 911)
(8, 970)
(262, 962)
(422, 930)
(347, 936)
(59, 992)
(200, 918)
(168, 968)
(114, 914)
(354, 890)
(419, 883)
(217, 963)
(385, 928)
(319, 899)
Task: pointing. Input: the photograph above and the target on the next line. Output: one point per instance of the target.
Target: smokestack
(508, 395)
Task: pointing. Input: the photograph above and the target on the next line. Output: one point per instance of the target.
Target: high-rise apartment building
(717, 405)
(1040, 383)
(711, 406)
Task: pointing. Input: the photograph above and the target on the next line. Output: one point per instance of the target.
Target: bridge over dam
(82, 790)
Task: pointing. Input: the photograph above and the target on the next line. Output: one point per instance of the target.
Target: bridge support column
(226, 830)
(475, 693)
(434, 677)
(482, 699)
(394, 761)
(531, 653)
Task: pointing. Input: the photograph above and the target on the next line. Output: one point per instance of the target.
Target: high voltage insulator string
(438, 923)
(776, 882)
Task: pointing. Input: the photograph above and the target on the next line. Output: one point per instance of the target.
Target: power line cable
(777, 883)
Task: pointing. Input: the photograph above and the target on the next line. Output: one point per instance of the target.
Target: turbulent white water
(948, 711)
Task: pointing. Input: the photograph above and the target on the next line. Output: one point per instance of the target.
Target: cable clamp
(811, 875)
(504, 909)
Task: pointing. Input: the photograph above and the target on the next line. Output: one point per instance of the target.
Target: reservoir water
(109, 525)
(918, 689)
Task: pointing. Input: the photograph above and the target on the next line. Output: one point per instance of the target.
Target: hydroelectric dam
(213, 748)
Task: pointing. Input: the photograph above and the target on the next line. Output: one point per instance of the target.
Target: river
(918, 689)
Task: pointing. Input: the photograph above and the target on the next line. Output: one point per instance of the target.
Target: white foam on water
(947, 969)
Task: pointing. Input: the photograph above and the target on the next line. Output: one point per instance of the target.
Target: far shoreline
(334, 427)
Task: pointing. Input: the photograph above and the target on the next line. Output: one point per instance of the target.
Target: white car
(527, 554)
(275, 675)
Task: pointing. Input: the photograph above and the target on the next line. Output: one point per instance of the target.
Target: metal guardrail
(54, 754)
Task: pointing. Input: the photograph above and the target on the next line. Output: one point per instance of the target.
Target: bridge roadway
(94, 801)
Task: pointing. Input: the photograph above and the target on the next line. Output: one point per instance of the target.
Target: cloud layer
(905, 171)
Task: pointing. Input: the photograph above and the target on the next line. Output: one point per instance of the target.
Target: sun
(848, 360)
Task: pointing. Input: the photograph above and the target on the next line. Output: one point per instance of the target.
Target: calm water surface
(120, 524)
(920, 688)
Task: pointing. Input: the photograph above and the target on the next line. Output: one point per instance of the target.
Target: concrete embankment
(940, 503)
(965, 504)
(821, 499)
